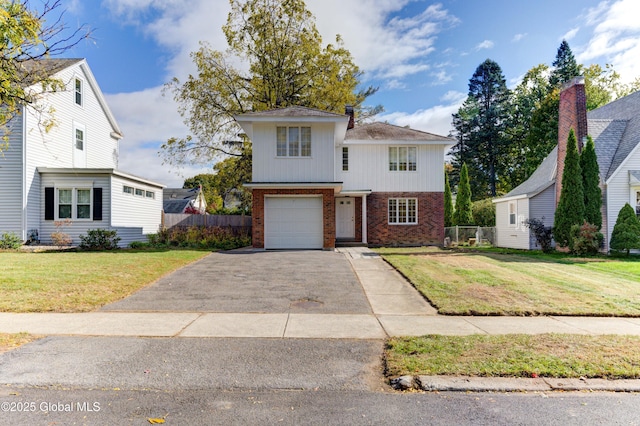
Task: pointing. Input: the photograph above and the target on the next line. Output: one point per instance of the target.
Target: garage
(293, 223)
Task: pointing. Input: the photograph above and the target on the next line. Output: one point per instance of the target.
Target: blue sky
(420, 54)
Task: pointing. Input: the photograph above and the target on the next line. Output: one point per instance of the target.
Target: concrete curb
(511, 384)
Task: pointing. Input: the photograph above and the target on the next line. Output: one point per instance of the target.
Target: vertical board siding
(11, 177)
(369, 169)
(267, 167)
(135, 211)
(619, 192)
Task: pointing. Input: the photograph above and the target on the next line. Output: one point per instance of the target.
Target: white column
(364, 219)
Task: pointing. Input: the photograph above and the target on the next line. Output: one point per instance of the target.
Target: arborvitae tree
(570, 209)
(565, 65)
(448, 203)
(463, 214)
(590, 181)
(626, 231)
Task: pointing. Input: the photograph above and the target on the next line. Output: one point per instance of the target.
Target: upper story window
(150, 194)
(403, 158)
(79, 139)
(293, 141)
(127, 189)
(345, 158)
(78, 91)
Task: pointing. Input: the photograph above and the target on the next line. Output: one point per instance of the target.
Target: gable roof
(615, 129)
(388, 132)
(37, 70)
(541, 179)
(179, 193)
(621, 136)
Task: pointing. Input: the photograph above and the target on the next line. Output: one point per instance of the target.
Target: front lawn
(81, 281)
(9, 341)
(515, 355)
(494, 283)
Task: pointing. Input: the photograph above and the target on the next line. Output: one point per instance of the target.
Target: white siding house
(69, 170)
(318, 178)
(615, 130)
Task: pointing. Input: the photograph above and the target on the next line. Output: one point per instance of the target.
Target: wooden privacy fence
(237, 222)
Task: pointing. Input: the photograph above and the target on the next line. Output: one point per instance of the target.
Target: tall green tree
(626, 232)
(530, 140)
(448, 202)
(485, 130)
(285, 64)
(565, 65)
(570, 210)
(463, 214)
(28, 34)
(591, 184)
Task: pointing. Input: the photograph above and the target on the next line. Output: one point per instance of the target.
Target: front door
(345, 218)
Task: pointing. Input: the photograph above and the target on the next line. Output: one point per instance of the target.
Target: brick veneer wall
(428, 231)
(328, 213)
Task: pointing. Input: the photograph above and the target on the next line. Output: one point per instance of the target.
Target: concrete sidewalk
(397, 310)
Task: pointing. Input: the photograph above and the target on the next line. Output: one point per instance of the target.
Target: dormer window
(78, 91)
(293, 141)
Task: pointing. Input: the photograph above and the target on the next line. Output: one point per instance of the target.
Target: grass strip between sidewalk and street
(515, 355)
(81, 281)
(486, 282)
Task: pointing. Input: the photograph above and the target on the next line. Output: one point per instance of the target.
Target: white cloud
(436, 119)
(486, 44)
(516, 38)
(615, 38)
(570, 34)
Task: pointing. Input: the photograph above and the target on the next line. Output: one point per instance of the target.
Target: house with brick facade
(615, 130)
(319, 179)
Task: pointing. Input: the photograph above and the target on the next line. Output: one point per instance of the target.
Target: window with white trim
(74, 203)
(150, 194)
(127, 189)
(403, 158)
(403, 211)
(293, 141)
(140, 192)
(79, 139)
(345, 158)
(78, 91)
(513, 213)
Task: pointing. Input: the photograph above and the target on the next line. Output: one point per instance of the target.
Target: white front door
(345, 218)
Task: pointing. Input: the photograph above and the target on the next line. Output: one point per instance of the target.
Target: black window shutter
(49, 203)
(97, 203)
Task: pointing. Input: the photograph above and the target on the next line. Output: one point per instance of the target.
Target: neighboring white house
(615, 129)
(178, 200)
(318, 178)
(70, 171)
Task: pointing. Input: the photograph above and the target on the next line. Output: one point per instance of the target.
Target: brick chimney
(572, 115)
(348, 110)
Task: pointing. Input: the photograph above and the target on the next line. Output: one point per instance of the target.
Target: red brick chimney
(572, 115)
(348, 110)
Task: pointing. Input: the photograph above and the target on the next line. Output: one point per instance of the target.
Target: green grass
(81, 281)
(516, 355)
(487, 282)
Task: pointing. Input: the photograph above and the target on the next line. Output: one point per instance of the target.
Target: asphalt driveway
(248, 281)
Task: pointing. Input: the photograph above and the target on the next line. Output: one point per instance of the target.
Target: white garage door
(293, 222)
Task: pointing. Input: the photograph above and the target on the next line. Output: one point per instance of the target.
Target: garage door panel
(293, 222)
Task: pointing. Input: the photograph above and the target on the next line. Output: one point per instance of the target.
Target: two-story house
(69, 173)
(318, 178)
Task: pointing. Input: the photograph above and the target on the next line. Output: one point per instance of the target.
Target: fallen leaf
(157, 421)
